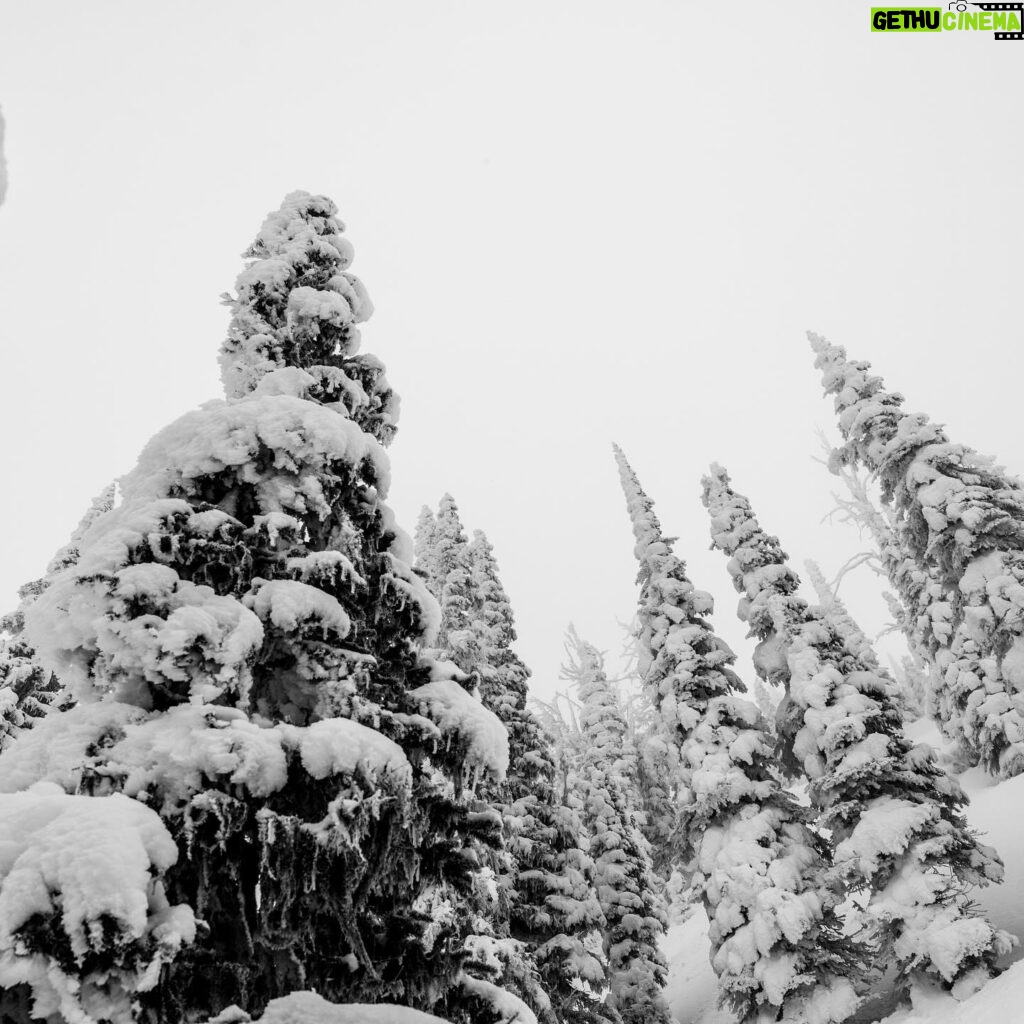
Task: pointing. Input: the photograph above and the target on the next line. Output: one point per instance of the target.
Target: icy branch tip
(716, 481)
(818, 341)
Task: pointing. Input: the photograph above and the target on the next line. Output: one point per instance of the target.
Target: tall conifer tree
(917, 587)
(243, 636)
(895, 817)
(839, 615)
(551, 907)
(634, 913)
(960, 520)
(27, 690)
(776, 941)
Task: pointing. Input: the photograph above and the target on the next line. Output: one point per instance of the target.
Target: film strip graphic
(1018, 7)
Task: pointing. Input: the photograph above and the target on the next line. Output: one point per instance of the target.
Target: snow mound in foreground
(309, 1008)
(999, 1002)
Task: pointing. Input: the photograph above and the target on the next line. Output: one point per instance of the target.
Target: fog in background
(579, 223)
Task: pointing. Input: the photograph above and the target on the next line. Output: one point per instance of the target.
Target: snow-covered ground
(692, 989)
(993, 811)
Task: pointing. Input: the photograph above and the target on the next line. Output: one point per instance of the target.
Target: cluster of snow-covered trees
(265, 757)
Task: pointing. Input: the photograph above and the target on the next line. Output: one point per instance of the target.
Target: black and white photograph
(512, 513)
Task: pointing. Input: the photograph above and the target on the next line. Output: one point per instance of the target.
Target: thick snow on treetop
(296, 300)
(303, 440)
(881, 436)
(954, 484)
(87, 869)
(303, 229)
(861, 399)
(960, 522)
(302, 219)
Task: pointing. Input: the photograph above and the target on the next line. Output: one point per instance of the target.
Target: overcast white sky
(579, 222)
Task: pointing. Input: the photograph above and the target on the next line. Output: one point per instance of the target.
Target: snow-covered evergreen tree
(895, 817)
(504, 678)
(960, 518)
(27, 690)
(635, 920)
(556, 913)
(444, 559)
(424, 540)
(776, 941)
(909, 694)
(912, 680)
(638, 710)
(767, 698)
(550, 907)
(656, 770)
(839, 615)
(649, 769)
(243, 636)
(917, 586)
(602, 721)
(859, 509)
(447, 570)
(553, 910)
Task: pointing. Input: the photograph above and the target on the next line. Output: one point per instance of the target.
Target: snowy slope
(993, 812)
(1000, 1002)
(692, 989)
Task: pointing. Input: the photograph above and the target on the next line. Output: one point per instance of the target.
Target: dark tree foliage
(254, 591)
